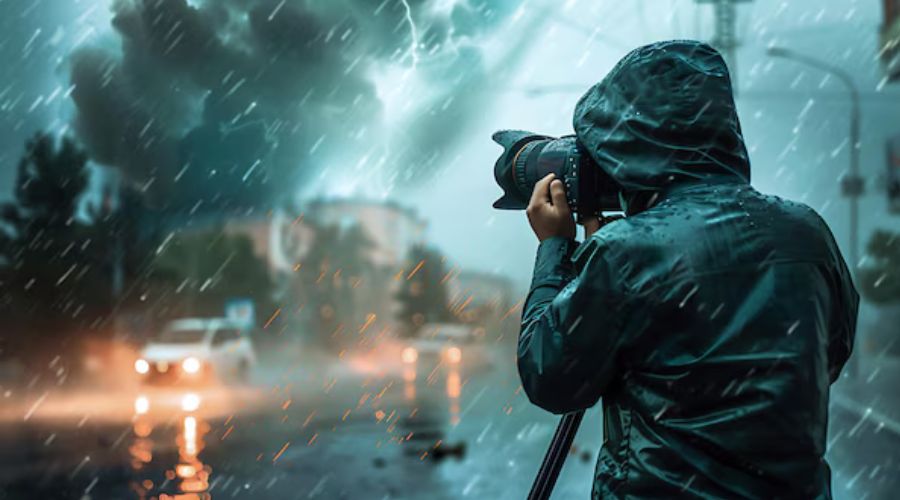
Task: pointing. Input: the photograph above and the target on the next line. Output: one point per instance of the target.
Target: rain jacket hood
(664, 116)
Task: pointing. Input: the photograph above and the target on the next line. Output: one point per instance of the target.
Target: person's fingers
(558, 196)
(539, 195)
(591, 225)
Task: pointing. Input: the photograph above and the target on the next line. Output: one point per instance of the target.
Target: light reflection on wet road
(335, 430)
(188, 475)
(345, 429)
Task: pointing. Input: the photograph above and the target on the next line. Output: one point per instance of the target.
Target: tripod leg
(555, 456)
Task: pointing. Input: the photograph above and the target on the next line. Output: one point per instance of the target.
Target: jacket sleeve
(571, 330)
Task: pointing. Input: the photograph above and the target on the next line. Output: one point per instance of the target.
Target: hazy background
(414, 128)
(326, 165)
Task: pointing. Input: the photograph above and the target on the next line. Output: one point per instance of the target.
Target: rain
(248, 249)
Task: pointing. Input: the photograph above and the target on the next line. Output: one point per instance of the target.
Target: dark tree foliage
(51, 285)
(423, 292)
(879, 280)
(196, 274)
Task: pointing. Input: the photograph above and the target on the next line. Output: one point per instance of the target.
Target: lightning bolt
(413, 34)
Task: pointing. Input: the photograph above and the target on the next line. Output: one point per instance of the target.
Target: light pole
(852, 185)
(725, 37)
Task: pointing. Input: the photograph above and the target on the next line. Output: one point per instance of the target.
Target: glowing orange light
(409, 355)
(190, 436)
(190, 365)
(454, 354)
(185, 470)
(142, 428)
(190, 402)
(454, 387)
(141, 405)
(141, 366)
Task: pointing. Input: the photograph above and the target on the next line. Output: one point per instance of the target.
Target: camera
(528, 157)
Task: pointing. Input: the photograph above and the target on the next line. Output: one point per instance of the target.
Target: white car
(446, 344)
(197, 350)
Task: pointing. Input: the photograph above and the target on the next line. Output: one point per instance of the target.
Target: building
(315, 281)
(278, 238)
(391, 228)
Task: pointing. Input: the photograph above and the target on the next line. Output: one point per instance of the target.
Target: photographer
(711, 320)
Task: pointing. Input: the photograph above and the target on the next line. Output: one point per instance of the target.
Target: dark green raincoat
(710, 324)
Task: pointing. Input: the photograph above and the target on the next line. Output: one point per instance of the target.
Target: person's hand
(548, 211)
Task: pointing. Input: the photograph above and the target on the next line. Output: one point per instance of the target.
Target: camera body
(528, 158)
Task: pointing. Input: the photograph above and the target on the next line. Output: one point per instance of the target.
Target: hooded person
(711, 320)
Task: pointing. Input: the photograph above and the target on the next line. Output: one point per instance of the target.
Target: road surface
(319, 427)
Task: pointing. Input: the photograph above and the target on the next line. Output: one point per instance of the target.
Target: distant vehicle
(450, 344)
(197, 350)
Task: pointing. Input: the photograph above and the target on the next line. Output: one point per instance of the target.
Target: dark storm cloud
(206, 104)
(231, 103)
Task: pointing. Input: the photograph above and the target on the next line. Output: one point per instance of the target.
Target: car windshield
(177, 336)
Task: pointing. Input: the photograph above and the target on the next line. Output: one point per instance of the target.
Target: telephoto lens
(528, 157)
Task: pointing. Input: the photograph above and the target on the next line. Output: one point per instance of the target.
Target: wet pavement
(341, 429)
(345, 429)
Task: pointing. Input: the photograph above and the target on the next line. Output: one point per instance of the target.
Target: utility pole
(725, 35)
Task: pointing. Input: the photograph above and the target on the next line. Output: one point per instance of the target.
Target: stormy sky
(217, 106)
(222, 104)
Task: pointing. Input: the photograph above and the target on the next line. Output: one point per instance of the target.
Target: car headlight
(190, 365)
(141, 405)
(141, 366)
(190, 402)
(454, 355)
(409, 355)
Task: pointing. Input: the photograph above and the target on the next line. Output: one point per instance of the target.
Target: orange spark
(448, 275)
(415, 269)
(370, 318)
(278, 455)
(272, 318)
(511, 309)
(306, 422)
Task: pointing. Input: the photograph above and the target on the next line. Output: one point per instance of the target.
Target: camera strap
(555, 456)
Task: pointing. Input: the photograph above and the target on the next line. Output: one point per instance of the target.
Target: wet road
(344, 428)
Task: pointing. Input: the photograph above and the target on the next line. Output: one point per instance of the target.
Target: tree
(199, 272)
(423, 293)
(49, 286)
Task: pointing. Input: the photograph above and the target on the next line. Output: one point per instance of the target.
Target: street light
(852, 185)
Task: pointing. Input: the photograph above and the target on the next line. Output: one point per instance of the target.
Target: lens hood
(512, 142)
